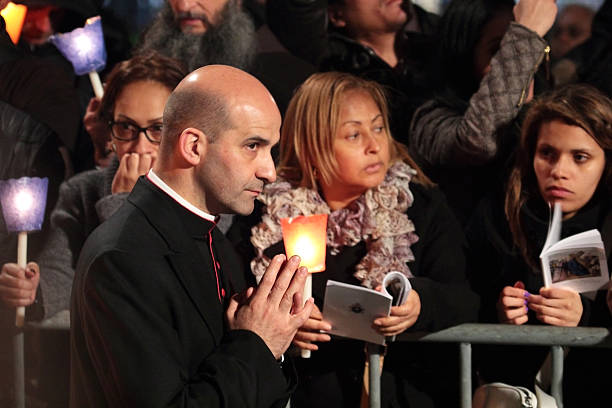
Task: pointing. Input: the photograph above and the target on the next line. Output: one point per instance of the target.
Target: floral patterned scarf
(378, 217)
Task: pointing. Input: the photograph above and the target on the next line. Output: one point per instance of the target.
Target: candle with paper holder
(14, 17)
(84, 48)
(306, 236)
(23, 207)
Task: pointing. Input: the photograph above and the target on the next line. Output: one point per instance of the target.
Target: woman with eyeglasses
(132, 107)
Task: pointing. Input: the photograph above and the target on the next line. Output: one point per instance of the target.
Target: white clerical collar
(154, 178)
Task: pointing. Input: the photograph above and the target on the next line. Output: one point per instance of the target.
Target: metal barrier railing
(525, 335)
(465, 335)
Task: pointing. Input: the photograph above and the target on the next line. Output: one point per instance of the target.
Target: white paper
(577, 262)
(351, 309)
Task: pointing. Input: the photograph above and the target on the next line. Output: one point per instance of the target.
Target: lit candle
(14, 16)
(23, 207)
(84, 48)
(306, 236)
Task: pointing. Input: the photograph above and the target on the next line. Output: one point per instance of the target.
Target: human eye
(124, 126)
(252, 146)
(546, 152)
(156, 128)
(353, 135)
(124, 130)
(581, 157)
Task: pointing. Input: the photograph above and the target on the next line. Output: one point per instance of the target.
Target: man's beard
(230, 42)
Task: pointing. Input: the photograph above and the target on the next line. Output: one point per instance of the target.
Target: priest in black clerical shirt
(160, 314)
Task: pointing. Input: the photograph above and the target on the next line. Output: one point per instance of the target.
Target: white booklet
(577, 262)
(351, 309)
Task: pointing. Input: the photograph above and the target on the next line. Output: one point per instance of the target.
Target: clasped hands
(274, 310)
(400, 318)
(554, 306)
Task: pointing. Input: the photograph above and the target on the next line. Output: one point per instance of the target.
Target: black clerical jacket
(147, 325)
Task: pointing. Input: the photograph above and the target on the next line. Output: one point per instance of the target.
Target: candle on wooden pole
(84, 48)
(23, 207)
(306, 236)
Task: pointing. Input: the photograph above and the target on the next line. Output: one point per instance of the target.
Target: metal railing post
(18, 368)
(465, 351)
(374, 374)
(556, 380)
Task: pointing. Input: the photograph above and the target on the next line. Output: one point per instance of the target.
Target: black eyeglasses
(127, 131)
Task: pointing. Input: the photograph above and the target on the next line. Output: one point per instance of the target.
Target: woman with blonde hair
(565, 157)
(338, 157)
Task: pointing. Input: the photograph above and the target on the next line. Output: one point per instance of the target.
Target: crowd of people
(436, 145)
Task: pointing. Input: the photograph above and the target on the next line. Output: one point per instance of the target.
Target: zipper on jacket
(546, 55)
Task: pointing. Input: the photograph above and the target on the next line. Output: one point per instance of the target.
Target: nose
(373, 143)
(142, 145)
(560, 168)
(266, 170)
(181, 5)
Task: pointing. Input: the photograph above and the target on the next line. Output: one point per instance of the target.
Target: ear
(192, 145)
(336, 16)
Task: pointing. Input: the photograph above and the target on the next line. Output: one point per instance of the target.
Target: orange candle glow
(306, 236)
(14, 15)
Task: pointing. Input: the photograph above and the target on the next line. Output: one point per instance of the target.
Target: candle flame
(306, 236)
(83, 43)
(305, 248)
(24, 201)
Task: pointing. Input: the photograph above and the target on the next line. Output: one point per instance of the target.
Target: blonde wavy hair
(311, 122)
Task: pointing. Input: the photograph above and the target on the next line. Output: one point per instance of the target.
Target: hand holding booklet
(351, 309)
(577, 262)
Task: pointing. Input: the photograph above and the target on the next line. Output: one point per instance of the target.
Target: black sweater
(412, 372)
(494, 263)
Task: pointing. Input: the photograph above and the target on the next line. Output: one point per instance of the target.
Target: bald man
(159, 312)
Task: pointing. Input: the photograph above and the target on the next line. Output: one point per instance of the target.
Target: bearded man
(205, 32)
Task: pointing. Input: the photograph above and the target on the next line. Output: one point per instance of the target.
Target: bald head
(220, 125)
(207, 99)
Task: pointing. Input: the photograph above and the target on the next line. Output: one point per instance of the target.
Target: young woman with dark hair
(565, 156)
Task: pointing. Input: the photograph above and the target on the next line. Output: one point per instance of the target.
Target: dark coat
(148, 329)
(494, 262)
(464, 146)
(302, 27)
(419, 375)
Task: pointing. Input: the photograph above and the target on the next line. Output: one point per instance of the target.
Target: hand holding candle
(23, 207)
(306, 236)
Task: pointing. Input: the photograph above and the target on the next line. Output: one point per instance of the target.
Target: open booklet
(351, 309)
(577, 262)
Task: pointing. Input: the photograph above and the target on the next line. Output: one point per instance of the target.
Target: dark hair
(576, 105)
(459, 30)
(151, 66)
